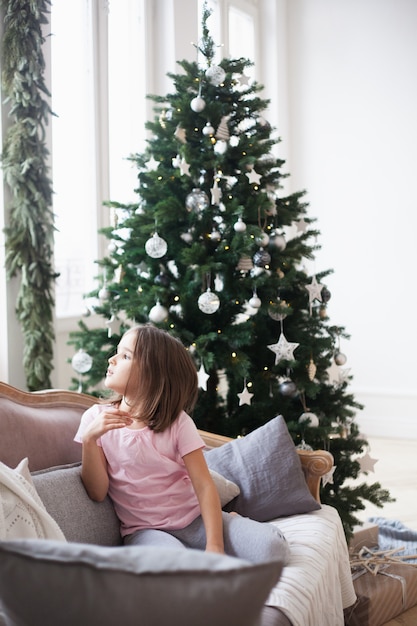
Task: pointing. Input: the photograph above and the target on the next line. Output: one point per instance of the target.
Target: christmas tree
(214, 252)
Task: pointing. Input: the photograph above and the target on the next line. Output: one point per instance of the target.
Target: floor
(396, 470)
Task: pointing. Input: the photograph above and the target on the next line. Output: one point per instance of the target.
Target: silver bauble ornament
(158, 313)
(288, 388)
(156, 247)
(261, 258)
(198, 104)
(340, 358)
(216, 75)
(208, 302)
(278, 241)
(81, 362)
(197, 200)
(262, 240)
(311, 418)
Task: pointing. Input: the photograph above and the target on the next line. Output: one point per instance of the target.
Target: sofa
(61, 558)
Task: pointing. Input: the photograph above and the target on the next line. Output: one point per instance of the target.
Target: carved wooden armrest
(315, 464)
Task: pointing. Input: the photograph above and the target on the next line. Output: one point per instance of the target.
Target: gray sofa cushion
(46, 582)
(80, 518)
(266, 467)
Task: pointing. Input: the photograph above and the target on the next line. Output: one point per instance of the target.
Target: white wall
(352, 144)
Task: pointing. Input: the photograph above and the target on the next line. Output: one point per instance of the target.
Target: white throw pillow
(226, 488)
(22, 512)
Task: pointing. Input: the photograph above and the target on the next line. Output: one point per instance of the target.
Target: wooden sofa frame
(315, 463)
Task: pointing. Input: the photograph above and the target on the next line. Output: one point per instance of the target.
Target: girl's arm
(94, 465)
(208, 499)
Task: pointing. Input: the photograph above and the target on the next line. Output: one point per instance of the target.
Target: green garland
(30, 230)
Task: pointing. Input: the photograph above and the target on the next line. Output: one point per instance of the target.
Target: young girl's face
(120, 364)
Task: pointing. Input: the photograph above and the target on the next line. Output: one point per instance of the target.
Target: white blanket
(316, 585)
(22, 512)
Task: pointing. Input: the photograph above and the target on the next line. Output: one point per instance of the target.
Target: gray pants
(244, 538)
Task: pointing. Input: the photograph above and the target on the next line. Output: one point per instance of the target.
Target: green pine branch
(30, 229)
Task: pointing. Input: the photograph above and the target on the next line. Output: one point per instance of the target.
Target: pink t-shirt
(148, 482)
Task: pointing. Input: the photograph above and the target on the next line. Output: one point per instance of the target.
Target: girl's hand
(108, 419)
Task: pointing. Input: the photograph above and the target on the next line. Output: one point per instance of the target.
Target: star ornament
(314, 290)
(254, 177)
(202, 378)
(367, 463)
(284, 350)
(245, 397)
(328, 478)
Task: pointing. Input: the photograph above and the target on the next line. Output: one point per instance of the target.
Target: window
(98, 96)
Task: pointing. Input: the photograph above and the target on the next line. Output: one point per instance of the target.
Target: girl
(144, 451)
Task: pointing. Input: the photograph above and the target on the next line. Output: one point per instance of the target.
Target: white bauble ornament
(208, 302)
(156, 247)
(198, 104)
(158, 313)
(215, 235)
(255, 302)
(81, 362)
(239, 226)
(311, 418)
(187, 237)
(216, 75)
(208, 130)
(197, 200)
(104, 293)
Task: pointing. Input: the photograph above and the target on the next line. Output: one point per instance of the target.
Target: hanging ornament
(288, 388)
(261, 258)
(180, 134)
(215, 235)
(244, 396)
(198, 104)
(245, 264)
(187, 237)
(208, 302)
(304, 446)
(184, 167)
(311, 418)
(254, 177)
(325, 294)
(216, 192)
(197, 200)
(111, 323)
(278, 241)
(156, 247)
(239, 226)
(255, 302)
(81, 363)
(162, 279)
(340, 358)
(215, 75)
(284, 350)
(311, 370)
(222, 132)
(262, 240)
(323, 313)
(208, 130)
(367, 463)
(328, 477)
(278, 310)
(104, 293)
(202, 378)
(158, 313)
(314, 290)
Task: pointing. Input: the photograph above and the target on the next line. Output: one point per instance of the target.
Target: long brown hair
(163, 377)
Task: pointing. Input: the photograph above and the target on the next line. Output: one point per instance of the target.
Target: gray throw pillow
(266, 467)
(47, 582)
(80, 518)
